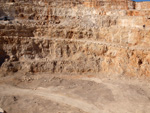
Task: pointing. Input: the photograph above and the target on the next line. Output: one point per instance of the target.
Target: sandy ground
(73, 94)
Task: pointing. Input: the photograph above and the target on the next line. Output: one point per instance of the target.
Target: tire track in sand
(46, 93)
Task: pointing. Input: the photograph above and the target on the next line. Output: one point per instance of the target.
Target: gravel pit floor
(44, 93)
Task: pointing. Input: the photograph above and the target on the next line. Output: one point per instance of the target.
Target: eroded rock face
(75, 37)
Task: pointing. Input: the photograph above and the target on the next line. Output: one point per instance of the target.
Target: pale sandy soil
(73, 94)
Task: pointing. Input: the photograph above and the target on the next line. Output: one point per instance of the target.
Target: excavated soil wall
(74, 37)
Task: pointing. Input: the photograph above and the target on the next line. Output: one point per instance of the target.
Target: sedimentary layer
(110, 37)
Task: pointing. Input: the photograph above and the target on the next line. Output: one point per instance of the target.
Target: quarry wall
(75, 37)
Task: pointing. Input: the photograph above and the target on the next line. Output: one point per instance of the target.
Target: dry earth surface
(73, 94)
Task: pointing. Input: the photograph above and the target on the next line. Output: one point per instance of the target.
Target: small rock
(1, 110)
(15, 99)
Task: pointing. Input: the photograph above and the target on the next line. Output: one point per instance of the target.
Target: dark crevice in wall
(3, 55)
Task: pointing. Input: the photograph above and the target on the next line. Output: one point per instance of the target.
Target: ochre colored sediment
(75, 37)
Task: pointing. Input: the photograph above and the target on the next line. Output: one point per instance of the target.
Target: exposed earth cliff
(110, 37)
